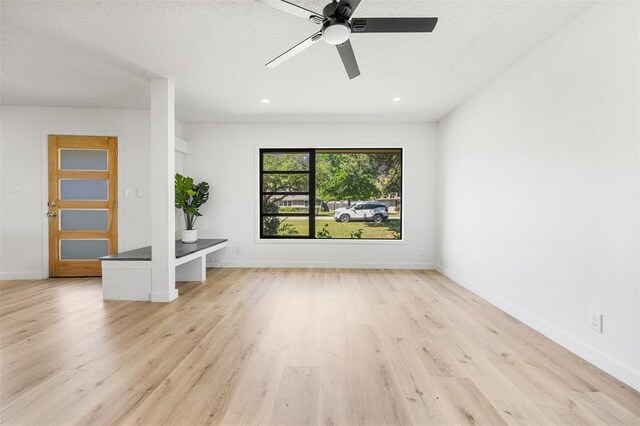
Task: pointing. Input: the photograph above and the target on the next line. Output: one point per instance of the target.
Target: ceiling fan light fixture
(337, 33)
(337, 23)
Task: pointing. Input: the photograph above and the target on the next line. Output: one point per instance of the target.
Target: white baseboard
(21, 276)
(592, 355)
(321, 265)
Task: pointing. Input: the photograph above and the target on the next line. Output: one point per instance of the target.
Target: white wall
(182, 148)
(539, 189)
(23, 185)
(225, 155)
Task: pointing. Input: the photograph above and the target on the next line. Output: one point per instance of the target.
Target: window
(331, 193)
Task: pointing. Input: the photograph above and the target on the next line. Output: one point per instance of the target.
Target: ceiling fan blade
(296, 49)
(351, 4)
(294, 9)
(348, 59)
(393, 25)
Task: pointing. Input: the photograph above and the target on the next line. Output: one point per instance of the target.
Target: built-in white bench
(127, 275)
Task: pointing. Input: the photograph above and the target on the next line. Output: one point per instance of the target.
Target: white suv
(364, 210)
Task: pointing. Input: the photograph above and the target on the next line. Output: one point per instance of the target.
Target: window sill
(327, 241)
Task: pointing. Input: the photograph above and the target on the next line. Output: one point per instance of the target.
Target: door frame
(44, 199)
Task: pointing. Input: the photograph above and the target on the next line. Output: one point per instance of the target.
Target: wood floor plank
(297, 400)
(419, 388)
(332, 352)
(375, 397)
(290, 346)
(209, 376)
(604, 409)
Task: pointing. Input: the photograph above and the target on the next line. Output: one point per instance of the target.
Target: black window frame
(311, 192)
(311, 172)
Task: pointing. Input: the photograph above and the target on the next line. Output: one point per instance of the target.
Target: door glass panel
(83, 159)
(84, 189)
(84, 220)
(83, 249)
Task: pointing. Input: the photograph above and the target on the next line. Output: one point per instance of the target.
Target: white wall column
(163, 284)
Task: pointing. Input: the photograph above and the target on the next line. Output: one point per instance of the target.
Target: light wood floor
(251, 346)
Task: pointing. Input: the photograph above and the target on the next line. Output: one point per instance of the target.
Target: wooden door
(83, 203)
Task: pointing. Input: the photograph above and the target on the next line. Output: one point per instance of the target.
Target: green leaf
(190, 197)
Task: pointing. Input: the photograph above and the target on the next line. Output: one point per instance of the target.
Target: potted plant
(189, 198)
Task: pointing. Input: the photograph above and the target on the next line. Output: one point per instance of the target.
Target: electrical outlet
(595, 322)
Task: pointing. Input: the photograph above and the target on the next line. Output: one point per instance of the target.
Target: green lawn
(332, 229)
(330, 214)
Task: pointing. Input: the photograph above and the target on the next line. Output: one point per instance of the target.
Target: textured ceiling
(101, 54)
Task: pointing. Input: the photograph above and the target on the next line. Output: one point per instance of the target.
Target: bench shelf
(127, 275)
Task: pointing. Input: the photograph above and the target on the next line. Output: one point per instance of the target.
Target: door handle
(51, 214)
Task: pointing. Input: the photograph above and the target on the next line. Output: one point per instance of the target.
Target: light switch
(139, 192)
(15, 189)
(128, 193)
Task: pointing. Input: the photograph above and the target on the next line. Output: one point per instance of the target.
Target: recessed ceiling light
(397, 99)
(265, 101)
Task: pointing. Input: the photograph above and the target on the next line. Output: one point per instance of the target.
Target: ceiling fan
(338, 24)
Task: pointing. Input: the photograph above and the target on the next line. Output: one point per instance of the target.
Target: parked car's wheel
(345, 218)
(377, 218)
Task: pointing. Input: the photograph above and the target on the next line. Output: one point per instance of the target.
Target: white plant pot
(189, 236)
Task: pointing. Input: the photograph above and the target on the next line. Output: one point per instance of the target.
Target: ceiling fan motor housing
(329, 10)
(336, 32)
(336, 28)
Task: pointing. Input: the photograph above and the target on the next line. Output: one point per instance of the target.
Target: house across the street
(299, 201)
